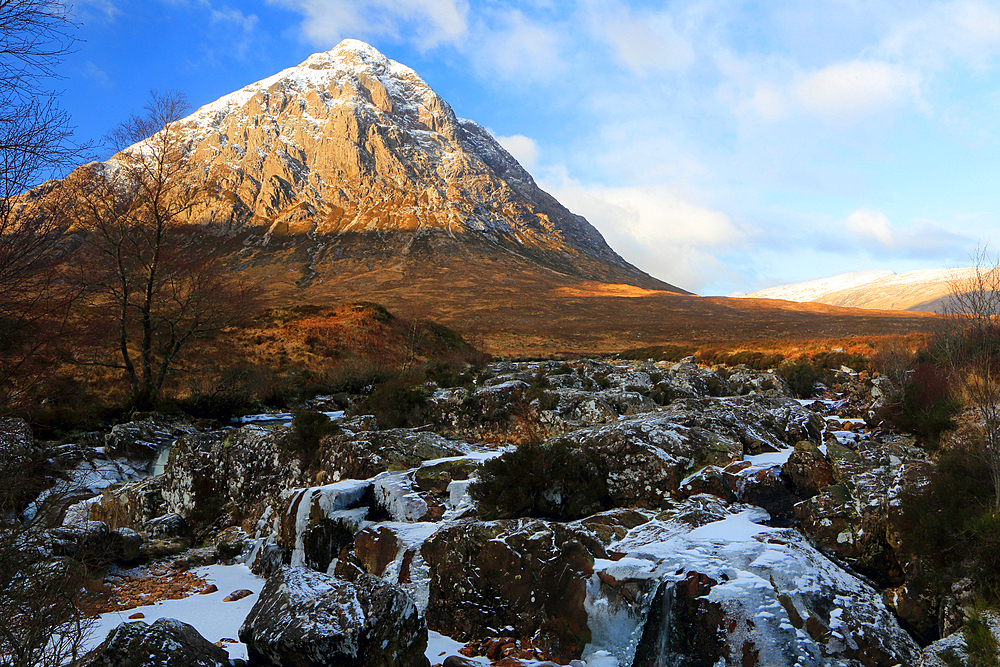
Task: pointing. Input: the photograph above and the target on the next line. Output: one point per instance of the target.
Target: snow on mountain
(924, 290)
(812, 290)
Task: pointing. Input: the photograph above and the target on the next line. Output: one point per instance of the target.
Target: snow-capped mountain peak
(350, 141)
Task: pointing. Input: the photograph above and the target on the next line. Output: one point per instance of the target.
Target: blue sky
(719, 145)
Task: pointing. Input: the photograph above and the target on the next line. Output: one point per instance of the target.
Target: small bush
(949, 522)
(553, 481)
(925, 406)
(834, 360)
(446, 374)
(671, 353)
(539, 381)
(801, 378)
(980, 644)
(307, 430)
(755, 360)
(377, 312)
(397, 403)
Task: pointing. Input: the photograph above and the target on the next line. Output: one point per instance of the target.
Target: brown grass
(532, 312)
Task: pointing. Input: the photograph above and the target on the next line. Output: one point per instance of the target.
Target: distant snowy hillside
(923, 290)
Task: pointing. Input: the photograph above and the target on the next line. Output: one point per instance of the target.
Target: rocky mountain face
(351, 155)
(924, 290)
(738, 525)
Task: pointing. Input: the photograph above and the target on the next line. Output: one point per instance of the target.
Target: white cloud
(871, 226)
(94, 73)
(644, 42)
(517, 47)
(878, 235)
(105, 7)
(846, 92)
(769, 102)
(964, 30)
(659, 231)
(524, 149)
(234, 17)
(430, 22)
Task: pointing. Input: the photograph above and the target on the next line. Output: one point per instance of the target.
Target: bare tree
(973, 351)
(157, 276)
(40, 593)
(35, 143)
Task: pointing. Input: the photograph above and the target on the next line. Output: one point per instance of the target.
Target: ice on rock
(395, 493)
(324, 501)
(773, 577)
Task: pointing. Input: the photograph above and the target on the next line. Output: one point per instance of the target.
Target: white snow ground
(217, 620)
(214, 619)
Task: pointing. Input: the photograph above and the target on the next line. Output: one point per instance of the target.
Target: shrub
(801, 378)
(834, 360)
(671, 353)
(950, 524)
(554, 481)
(307, 430)
(980, 644)
(925, 406)
(446, 374)
(377, 312)
(755, 360)
(396, 403)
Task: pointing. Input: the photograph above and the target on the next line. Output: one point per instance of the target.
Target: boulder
(88, 541)
(166, 643)
(168, 526)
(305, 618)
(808, 469)
(524, 573)
(126, 545)
(127, 505)
(317, 522)
(646, 457)
(584, 408)
(724, 589)
(144, 436)
(368, 453)
(245, 466)
(391, 551)
(436, 477)
(855, 516)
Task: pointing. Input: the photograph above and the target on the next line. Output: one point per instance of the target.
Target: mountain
(924, 290)
(352, 156)
(346, 178)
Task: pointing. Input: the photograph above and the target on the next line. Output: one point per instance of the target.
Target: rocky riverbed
(740, 526)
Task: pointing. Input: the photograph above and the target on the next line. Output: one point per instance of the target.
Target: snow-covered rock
(732, 591)
(309, 619)
(166, 643)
